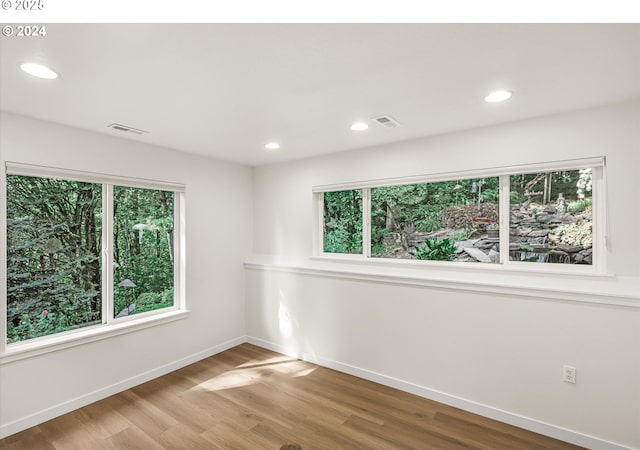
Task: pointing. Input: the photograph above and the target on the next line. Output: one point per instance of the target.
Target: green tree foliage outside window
(143, 249)
(546, 187)
(53, 256)
(343, 222)
(436, 250)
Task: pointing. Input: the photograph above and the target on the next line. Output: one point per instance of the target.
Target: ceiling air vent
(386, 121)
(127, 129)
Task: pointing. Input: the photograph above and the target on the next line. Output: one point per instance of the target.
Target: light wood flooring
(252, 398)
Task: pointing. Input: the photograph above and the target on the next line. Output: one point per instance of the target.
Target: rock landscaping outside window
(548, 218)
(551, 217)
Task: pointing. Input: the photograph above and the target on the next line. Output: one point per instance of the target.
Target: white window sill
(587, 287)
(47, 344)
(511, 266)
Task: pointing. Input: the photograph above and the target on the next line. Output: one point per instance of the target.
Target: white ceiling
(224, 90)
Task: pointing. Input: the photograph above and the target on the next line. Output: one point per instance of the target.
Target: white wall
(218, 228)
(505, 352)
(282, 192)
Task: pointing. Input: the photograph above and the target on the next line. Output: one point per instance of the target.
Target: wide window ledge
(48, 344)
(574, 287)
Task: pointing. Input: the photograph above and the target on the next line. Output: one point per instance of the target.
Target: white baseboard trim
(517, 420)
(78, 402)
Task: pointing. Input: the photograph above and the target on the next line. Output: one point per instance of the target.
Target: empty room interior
(320, 236)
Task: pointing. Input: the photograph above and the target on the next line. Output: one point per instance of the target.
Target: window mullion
(505, 195)
(179, 272)
(320, 224)
(600, 212)
(366, 222)
(107, 253)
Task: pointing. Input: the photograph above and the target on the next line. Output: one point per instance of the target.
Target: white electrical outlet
(569, 374)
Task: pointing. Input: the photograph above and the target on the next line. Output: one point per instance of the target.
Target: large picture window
(83, 252)
(518, 216)
(54, 247)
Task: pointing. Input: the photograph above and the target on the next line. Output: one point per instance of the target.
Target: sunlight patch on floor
(265, 362)
(253, 371)
(228, 380)
(304, 372)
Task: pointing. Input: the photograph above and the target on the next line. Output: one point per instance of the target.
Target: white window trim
(110, 326)
(32, 170)
(600, 232)
(81, 336)
(569, 164)
(318, 243)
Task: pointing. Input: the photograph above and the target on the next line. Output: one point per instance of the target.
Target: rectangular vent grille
(386, 121)
(127, 129)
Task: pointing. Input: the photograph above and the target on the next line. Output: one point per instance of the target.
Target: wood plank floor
(252, 398)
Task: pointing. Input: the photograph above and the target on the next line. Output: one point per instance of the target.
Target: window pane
(343, 222)
(53, 256)
(143, 250)
(445, 221)
(551, 217)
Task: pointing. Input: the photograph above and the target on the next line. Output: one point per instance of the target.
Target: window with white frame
(440, 221)
(87, 250)
(551, 217)
(342, 227)
(524, 215)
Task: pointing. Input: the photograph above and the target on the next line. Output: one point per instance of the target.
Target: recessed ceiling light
(40, 71)
(272, 146)
(359, 126)
(498, 96)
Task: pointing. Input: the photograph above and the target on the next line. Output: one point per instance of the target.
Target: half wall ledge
(607, 290)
